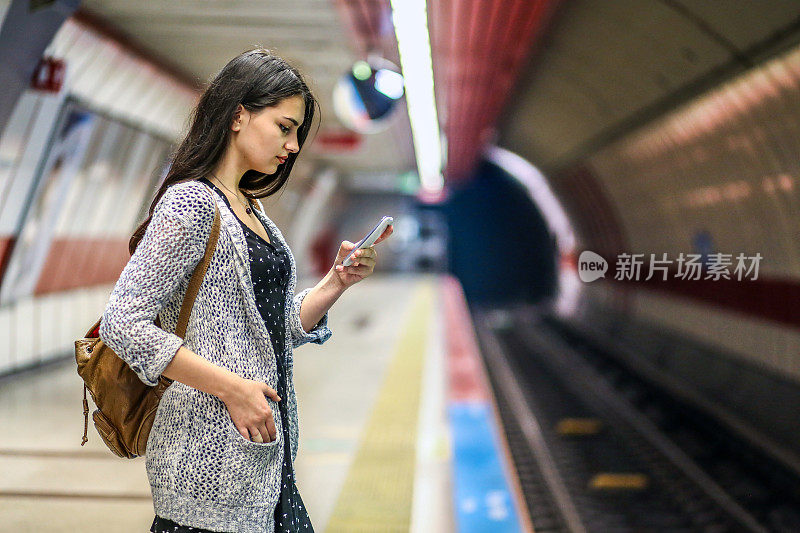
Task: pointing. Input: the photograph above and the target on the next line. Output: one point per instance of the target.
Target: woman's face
(265, 138)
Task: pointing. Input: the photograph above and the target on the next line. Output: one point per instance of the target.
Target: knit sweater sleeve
(318, 334)
(173, 244)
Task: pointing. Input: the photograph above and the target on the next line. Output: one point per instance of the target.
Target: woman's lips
(281, 159)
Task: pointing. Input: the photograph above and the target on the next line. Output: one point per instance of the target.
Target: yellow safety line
(378, 492)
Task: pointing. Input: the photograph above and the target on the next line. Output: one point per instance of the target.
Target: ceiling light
(411, 28)
(361, 70)
(389, 83)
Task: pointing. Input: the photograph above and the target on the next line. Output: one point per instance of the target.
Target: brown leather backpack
(126, 407)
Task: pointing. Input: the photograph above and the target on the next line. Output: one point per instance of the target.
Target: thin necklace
(246, 208)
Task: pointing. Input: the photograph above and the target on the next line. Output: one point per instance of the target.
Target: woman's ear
(236, 125)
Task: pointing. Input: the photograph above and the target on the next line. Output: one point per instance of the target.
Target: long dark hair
(256, 79)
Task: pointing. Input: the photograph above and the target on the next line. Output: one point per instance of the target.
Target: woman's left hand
(363, 261)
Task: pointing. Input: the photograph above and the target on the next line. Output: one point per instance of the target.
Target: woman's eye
(283, 128)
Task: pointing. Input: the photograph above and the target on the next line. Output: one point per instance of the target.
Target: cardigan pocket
(248, 443)
(252, 470)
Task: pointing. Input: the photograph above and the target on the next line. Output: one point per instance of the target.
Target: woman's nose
(292, 146)
(293, 143)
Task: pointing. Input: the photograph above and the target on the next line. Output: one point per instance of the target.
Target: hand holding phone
(369, 239)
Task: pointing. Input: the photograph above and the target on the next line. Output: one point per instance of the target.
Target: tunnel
(522, 265)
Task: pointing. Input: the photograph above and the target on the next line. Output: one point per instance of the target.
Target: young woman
(221, 451)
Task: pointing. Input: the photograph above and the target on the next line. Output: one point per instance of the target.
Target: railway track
(599, 450)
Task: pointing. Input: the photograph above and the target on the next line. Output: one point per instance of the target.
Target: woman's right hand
(249, 410)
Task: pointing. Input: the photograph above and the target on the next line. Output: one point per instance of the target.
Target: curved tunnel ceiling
(607, 68)
(198, 37)
(603, 69)
(478, 48)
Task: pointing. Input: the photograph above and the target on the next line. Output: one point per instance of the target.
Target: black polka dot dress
(270, 271)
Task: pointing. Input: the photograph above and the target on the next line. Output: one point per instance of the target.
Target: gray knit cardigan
(202, 472)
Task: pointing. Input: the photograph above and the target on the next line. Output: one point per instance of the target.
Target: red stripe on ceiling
(488, 66)
(506, 74)
(367, 26)
(437, 13)
(365, 22)
(478, 49)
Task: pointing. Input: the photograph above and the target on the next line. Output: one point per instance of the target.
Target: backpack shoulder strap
(199, 273)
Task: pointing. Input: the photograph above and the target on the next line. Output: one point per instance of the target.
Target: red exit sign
(49, 75)
(337, 141)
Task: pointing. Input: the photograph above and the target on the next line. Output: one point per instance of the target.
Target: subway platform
(399, 431)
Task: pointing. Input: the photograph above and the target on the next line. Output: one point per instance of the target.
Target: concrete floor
(48, 482)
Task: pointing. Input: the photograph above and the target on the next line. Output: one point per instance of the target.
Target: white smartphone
(370, 238)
